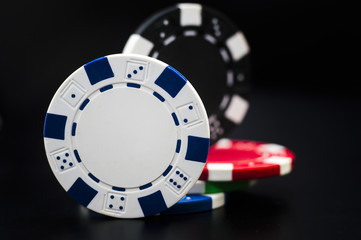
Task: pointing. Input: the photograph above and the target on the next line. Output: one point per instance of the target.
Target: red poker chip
(232, 160)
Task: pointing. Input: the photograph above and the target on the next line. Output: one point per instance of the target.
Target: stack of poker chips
(142, 133)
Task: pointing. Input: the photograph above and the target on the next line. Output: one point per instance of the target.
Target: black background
(305, 69)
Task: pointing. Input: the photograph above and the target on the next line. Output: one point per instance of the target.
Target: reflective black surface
(319, 199)
(304, 97)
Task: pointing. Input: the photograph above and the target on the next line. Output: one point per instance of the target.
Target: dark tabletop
(304, 97)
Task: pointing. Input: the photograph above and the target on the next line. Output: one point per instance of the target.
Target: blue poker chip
(197, 203)
(126, 135)
(210, 50)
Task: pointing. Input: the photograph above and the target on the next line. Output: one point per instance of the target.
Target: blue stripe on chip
(152, 204)
(190, 204)
(171, 81)
(77, 155)
(73, 129)
(167, 170)
(82, 106)
(98, 70)
(133, 85)
(119, 189)
(197, 149)
(157, 95)
(82, 192)
(148, 185)
(95, 179)
(174, 116)
(54, 126)
(177, 149)
(105, 88)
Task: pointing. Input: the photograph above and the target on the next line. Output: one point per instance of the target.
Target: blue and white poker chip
(126, 135)
(197, 203)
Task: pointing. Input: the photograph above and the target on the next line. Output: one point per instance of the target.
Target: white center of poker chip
(125, 137)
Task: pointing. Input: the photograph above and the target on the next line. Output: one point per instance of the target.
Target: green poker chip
(207, 187)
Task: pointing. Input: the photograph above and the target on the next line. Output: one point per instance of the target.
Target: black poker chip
(210, 50)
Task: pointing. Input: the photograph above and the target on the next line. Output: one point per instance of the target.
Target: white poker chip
(126, 136)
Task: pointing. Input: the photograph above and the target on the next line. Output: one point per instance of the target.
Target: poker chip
(197, 203)
(210, 50)
(233, 160)
(126, 135)
(206, 187)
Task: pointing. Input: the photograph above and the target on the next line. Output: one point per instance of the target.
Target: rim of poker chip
(126, 135)
(233, 160)
(187, 34)
(207, 187)
(197, 203)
